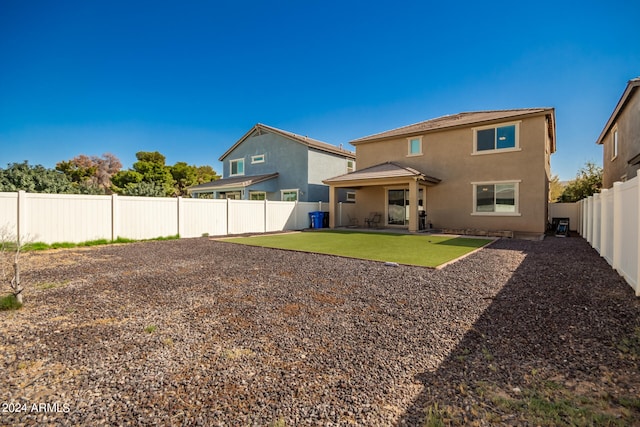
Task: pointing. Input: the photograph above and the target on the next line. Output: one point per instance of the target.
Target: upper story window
(257, 159)
(614, 144)
(236, 167)
(496, 138)
(351, 165)
(414, 146)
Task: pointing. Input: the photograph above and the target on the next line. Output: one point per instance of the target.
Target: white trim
(231, 167)
(251, 193)
(516, 147)
(474, 190)
(353, 196)
(290, 190)
(409, 140)
(258, 156)
(353, 165)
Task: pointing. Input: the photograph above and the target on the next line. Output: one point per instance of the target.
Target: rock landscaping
(203, 332)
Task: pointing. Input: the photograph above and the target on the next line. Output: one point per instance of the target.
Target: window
(236, 167)
(499, 198)
(289, 195)
(415, 146)
(257, 195)
(257, 159)
(351, 165)
(614, 144)
(494, 138)
(351, 196)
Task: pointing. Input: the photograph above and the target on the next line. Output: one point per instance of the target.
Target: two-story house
(273, 164)
(620, 138)
(485, 170)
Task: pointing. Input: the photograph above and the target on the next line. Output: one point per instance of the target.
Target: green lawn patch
(411, 249)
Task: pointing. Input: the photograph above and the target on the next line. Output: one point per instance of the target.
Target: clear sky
(189, 78)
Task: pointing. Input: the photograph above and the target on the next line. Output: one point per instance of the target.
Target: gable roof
(382, 171)
(305, 140)
(455, 120)
(234, 182)
(632, 86)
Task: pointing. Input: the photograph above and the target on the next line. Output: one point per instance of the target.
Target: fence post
(21, 217)
(595, 232)
(617, 226)
(115, 217)
(605, 216)
(228, 221)
(265, 215)
(180, 206)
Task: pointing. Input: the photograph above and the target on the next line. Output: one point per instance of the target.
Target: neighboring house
(485, 170)
(273, 164)
(620, 138)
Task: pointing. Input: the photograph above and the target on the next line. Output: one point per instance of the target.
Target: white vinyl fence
(74, 218)
(610, 222)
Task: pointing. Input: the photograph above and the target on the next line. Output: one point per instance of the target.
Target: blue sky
(189, 78)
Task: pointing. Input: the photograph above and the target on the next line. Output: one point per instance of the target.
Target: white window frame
(496, 150)
(231, 162)
(411, 139)
(474, 186)
(352, 167)
(290, 190)
(258, 158)
(351, 196)
(263, 193)
(614, 143)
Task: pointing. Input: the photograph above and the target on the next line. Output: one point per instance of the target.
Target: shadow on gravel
(559, 345)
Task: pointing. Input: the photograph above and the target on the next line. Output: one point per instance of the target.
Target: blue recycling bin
(316, 219)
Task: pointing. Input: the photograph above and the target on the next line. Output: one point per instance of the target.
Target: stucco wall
(447, 155)
(282, 155)
(628, 125)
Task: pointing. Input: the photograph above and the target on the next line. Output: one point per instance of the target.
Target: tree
(149, 169)
(555, 189)
(186, 175)
(587, 182)
(10, 249)
(91, 175)
(34, 179)
(145, 189)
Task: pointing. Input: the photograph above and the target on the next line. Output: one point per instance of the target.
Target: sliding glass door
(398, 206)
(397, 214)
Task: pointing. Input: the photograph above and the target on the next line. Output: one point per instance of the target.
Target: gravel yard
(203, 332)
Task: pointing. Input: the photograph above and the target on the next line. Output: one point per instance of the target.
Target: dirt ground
(203, 332)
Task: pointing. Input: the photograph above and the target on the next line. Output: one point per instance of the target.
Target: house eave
(525, 113)
(632, 86)
(309, 142)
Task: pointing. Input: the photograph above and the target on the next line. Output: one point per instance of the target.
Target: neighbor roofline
(309, 142)
(632, 85)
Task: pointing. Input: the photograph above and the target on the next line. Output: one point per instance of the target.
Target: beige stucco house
(620, 138)
(485, 170)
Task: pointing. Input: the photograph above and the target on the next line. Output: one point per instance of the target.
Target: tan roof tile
(454, 120)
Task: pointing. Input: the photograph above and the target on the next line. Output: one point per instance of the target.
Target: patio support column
(333, 200)
(413, 205)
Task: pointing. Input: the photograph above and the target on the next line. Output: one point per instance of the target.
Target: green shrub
(9, 302)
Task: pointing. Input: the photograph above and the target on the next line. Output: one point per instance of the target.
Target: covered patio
(398, 193)
(250, 187)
